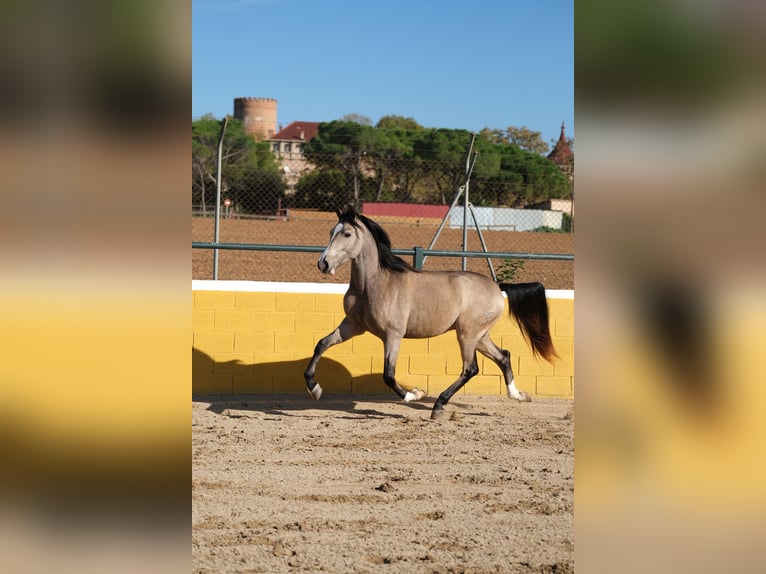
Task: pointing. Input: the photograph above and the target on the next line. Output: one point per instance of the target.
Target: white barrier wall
(507, 219)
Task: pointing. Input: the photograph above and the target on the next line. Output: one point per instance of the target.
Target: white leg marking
(513, 392)
(414, 395)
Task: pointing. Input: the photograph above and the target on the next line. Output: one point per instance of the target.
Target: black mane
(387, 259)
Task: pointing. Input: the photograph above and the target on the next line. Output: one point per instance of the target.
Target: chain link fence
(292, 201)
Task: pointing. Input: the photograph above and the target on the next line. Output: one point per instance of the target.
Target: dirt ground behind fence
(279, 266)
(287, 484)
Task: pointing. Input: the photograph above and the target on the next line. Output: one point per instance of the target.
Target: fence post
(217, 222)
(417, 258)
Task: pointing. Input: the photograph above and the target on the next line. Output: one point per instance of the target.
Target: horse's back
(443, 300)
(463, 285)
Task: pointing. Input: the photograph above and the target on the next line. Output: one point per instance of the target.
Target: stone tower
(258, 116)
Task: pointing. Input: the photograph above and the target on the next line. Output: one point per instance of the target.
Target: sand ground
(370, 484)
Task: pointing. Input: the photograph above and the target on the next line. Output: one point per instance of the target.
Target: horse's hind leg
(344, 332)
(502, 359)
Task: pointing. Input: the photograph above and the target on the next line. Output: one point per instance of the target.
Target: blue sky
(445, 63)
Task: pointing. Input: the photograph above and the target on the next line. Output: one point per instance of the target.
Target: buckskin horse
(392, 300)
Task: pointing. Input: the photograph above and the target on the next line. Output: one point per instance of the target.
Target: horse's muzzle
(324, 267)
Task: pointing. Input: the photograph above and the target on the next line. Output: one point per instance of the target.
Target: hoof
(520, 396)
(316, 392)
(437, 415)
(414, 395)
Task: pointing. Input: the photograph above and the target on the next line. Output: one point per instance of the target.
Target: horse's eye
(346, 234)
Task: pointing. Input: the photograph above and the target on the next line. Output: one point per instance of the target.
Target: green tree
(529, 177)
(369, 156)
(323, 189)
(398, 123)
(527, 139)
(205, 134)
(494, 135)
(250, 174)
(255, 190)
(513, 176)
(428, 165)
(523, 137)
(357, 119)
(389, 157)
(443, 152)
(340, 145)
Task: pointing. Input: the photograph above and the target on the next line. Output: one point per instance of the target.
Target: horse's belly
(421, 333)
(430, 323)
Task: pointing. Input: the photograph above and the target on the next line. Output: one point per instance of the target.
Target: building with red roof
(288, 142)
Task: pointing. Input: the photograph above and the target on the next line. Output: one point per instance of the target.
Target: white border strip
(269, 286)
(326, 288)
(559, 293)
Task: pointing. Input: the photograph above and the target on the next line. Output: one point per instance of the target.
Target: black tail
(528, 305)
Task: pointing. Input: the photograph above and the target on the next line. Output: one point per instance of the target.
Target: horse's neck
(365, 269)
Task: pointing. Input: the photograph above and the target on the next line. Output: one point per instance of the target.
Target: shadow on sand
(278, 388)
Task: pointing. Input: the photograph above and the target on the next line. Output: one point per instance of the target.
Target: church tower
(563, 156)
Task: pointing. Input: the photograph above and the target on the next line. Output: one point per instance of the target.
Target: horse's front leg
(391, 349)
(347, 329)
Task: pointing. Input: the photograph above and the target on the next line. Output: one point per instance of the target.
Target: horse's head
(345, 242)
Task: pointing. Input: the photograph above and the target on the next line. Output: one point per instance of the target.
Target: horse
(392, 300)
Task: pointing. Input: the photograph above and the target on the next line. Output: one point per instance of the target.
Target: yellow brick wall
(261, 342)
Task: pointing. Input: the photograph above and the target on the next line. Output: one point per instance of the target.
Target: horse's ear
(348, 212)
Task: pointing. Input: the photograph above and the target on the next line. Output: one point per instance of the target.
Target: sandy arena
(355, 484)
(370, 484)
